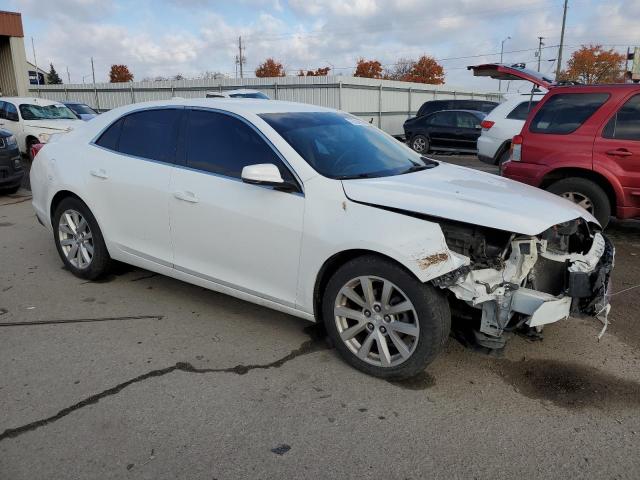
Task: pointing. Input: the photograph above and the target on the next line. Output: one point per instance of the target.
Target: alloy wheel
(376, 321)
(580, 199)
(76, 239)
(419, 144)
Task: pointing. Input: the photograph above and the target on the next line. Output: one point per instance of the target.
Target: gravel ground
(143, 376)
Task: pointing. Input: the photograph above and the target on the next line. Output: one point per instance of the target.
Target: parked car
(11, 170)
(582, 142)
(313, 212)
(501, 125)
(34, 120)
(436, 105)
(449, 130)
(82, 110)
(241, 93)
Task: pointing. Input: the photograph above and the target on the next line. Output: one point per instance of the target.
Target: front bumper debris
(519, 292)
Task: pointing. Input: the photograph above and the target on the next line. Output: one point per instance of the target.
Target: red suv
(581, 142)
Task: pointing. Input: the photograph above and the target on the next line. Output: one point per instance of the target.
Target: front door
(239, 235)
(617, 148)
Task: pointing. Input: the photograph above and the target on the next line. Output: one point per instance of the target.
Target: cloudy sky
(167, 37)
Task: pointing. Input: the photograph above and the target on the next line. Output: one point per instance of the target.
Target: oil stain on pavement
(569, 385)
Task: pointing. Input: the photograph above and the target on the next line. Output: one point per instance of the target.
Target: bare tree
(400, 70)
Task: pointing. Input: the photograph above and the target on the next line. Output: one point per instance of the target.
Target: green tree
(52, 76)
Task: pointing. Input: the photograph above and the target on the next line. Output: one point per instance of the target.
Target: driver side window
(224, 145)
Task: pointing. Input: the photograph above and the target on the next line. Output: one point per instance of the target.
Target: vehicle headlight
(44, 137)
(11, 141)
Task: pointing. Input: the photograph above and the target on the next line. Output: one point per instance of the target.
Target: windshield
(342, 146)
(250, 95)
(46, 112)
(81, 109)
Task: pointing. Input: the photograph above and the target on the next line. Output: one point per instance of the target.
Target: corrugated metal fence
(386, 103)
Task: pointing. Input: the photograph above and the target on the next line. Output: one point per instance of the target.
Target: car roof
(458, 110)
(30, 100)
(247, 106)
(75, 103)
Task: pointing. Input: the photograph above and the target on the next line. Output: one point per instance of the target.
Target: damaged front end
(529, 281)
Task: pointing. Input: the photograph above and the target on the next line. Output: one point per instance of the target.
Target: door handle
(100, 173)
(620, 152)
(186, 197)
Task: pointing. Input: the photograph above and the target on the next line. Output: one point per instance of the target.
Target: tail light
(35, 148)
(516, 149)
(487, 124)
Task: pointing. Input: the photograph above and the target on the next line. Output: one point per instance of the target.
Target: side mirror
(262, 174)
(267, 174)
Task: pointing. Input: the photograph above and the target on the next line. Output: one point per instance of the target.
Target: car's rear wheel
(383, 320)
(79, 240)
(420, 144)
(585, 193)
(504, 156)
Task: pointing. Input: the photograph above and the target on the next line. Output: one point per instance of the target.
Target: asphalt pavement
(143, 376)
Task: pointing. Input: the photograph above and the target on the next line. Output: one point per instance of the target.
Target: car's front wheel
(79, 240)
(585, 193)
(420, 144)
(383, 320)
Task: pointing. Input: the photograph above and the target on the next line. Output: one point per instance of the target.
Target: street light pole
(501, 54)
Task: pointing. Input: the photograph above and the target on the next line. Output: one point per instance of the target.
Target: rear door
(128, 174)
(512, 72)
(617, 148)
(467, 131)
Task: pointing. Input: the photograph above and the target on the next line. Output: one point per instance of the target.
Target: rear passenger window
(151, 134)
(224, 145)
(109, 139)
(565, 113)
(625, 124)
(521, 112)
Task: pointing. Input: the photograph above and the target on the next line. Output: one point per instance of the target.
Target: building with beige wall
(13, 61)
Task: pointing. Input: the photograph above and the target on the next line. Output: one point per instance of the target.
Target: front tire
(585, 193)
(79, 240)
(420, 144)
(382, 320)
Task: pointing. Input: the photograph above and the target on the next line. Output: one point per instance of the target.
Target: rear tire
(79, 240)
(585, 193)
(504, 156)
(392, 336)
(420, 144)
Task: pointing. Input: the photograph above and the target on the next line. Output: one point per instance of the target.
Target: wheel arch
(599, 179)
(506, 145)
(333, 263)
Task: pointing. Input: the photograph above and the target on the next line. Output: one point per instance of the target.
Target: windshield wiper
(418, 168)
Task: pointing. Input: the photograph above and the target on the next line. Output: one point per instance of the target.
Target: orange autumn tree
(368, 69)
(593, 64)
(270, 68)
(425, 70)
(120, 73)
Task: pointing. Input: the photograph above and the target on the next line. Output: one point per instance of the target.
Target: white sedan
(318, 214)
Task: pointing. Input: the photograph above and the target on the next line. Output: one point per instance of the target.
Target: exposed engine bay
(529, 280)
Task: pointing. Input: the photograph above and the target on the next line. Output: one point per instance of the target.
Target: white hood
(61, 125)
(466, 195)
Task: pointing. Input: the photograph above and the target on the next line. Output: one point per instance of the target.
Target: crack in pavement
(81, 320)
(306, 348)
(13, 203)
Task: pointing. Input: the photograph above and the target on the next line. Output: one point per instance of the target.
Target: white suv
(501, 125)
(34, 120)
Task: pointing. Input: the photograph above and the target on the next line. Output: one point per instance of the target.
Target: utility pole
(501, 54)
(68, 76)
(35, 61)
(564, 21)
(240, 59)
(93, 73)
(540, 44)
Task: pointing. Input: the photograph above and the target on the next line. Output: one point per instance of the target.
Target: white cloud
(322, 32)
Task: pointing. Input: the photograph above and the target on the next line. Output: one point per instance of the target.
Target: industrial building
(13, 61)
